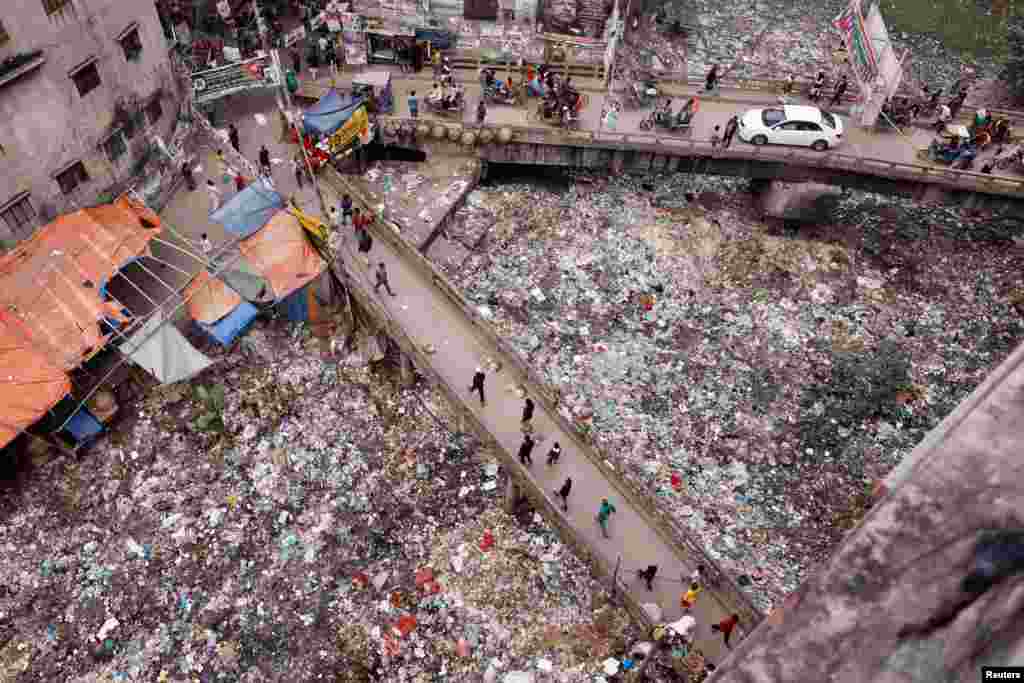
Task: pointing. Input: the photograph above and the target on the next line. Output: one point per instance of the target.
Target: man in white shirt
(215, 195)
(684, 627)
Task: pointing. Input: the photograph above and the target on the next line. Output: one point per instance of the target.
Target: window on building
(154, 110)
(55, 6)
(3, 34)
(19, 215)
(86, 79)
(115, 146)
(129, 125)
(71, 177)
(131, 44)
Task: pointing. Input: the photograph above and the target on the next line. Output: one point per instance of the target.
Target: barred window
(87, 79)
(71, 177)
(131, 44)
(55, 6)
(19, 215)
(154, 110)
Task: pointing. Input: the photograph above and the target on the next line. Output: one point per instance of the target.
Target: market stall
(335, 126)
(374, 87)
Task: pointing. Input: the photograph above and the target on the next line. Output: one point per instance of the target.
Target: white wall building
(92, 82)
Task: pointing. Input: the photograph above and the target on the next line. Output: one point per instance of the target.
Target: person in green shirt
(603, 514)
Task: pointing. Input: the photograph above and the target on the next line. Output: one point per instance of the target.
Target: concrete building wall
(46, 125)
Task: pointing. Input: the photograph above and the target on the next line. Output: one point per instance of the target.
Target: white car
(791, 125)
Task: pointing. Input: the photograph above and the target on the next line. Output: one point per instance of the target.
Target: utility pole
(286, 106)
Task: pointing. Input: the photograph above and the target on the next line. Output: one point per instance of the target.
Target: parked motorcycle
(674, 122)
(454, 105)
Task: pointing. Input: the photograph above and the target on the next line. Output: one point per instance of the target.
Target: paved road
(886, 145)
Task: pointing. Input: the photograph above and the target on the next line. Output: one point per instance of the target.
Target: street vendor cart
(375, 88)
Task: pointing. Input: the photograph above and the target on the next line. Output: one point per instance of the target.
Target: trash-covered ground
(771, 39)
(756, 379)
(293, 515)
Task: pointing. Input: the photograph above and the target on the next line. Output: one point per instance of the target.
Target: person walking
(841, 86)
(944, 118)
(957, 103)
(360, 220)
(528, 410)
(603, 513)
(730, 131)
(435, 60)
(264, 161)
(478, 384)
(296, 61)
(787, 87)
(481, 112)
(554, 454)
(186, 173)
(382, 279)
(205, 245)
(215, 195)
(648, 575)
(414, 105)
(365, 242)
(563, 493)
(299, 167)
(239, 182)
(818, 87)
(711, 80)
(689, 598)
(525, 449)
(716, 136)
(335, 218)
(726, 627)
(233, 137)
(332, 61)
(346, 209)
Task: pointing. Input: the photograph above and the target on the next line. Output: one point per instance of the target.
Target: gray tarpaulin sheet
(165, 353)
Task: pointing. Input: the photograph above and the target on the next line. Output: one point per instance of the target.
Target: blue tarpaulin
(83, 426)
(330, 113)
(249, 210)
(296, 305)
(439, 40)
(227, 329)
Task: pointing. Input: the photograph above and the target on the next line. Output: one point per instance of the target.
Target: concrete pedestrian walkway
(429, 317)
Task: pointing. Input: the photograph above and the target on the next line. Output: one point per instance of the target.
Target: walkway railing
(672, 533)
(681, 146)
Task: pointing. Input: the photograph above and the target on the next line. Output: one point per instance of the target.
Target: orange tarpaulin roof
(51, 282)
(29, 384)
(280, 252)
(209, 299)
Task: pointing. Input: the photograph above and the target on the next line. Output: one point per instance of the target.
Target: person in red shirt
(360, 220)
(726, 627)
(239, 182)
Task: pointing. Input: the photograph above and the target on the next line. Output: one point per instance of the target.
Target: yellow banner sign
(358, 125)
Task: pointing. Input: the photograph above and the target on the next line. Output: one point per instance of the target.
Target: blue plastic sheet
(296, 305)
(227, 329)
(330, 113)
(83, 426)
(249, 210)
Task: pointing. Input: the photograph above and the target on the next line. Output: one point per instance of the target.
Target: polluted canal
(755, 377)
(295, 514)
